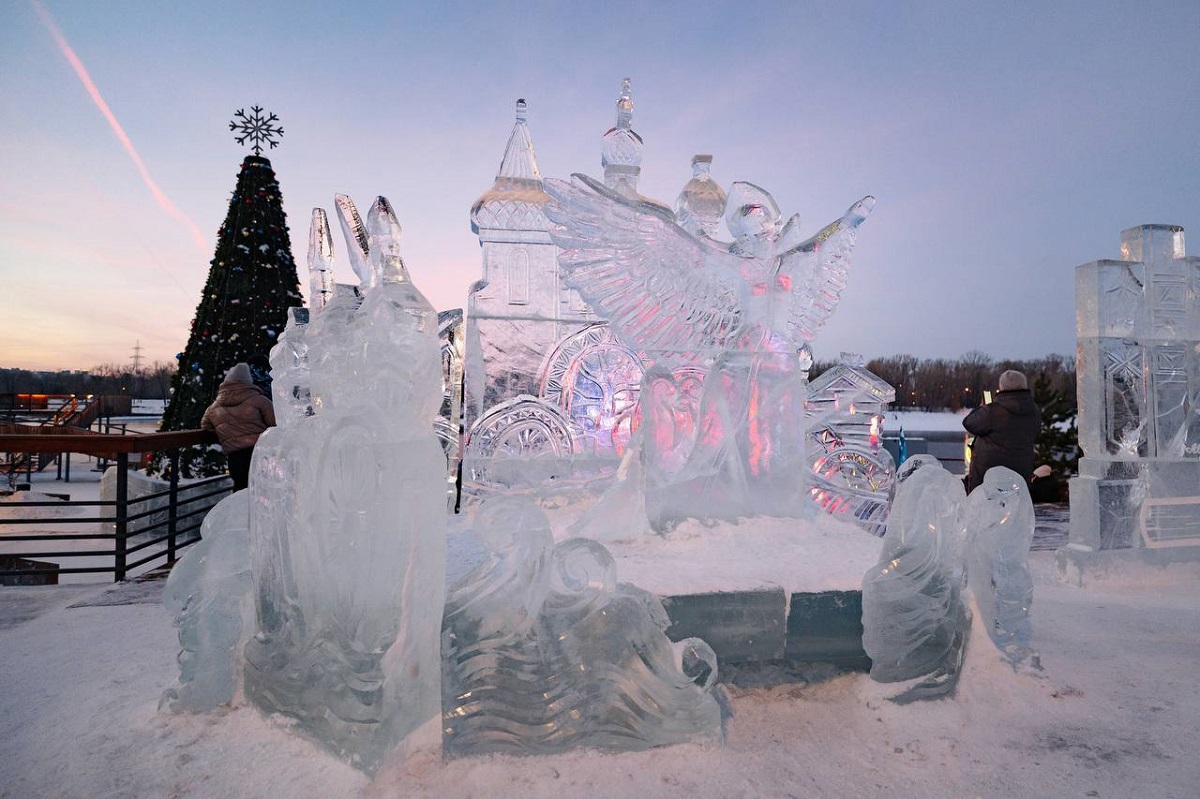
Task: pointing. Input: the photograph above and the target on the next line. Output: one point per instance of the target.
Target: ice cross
(256, 128)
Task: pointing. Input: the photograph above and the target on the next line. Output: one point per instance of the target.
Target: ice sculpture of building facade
(1138, 328)
(532, 345)
(555, 370)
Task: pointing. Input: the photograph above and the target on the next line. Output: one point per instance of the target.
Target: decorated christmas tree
(251, 284)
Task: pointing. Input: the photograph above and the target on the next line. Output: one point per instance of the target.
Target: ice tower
(622, 153)
(1138, 326)
(543, 376)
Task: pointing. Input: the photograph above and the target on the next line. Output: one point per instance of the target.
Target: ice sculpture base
(765, 593)
(1080, 565)
(760, 636)
(1135, 503)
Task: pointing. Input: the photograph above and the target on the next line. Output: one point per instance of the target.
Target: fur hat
(240, 373)
(1012, 380)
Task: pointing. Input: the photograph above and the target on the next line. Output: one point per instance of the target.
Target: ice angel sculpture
(736, 313)
(999, 518)
(544, 650)
(915, 622)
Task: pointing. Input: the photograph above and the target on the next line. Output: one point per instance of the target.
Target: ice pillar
(1138, 328)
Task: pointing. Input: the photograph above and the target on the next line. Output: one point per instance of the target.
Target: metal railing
(141, 530)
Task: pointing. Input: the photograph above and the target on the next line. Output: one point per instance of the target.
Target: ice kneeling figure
(999, 516)
(914, 620)
(543, 650)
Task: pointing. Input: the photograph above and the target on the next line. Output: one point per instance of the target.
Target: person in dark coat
(1005, 430)
(238, 416)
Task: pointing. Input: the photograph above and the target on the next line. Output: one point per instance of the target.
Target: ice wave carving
(999, 516)
(208, 593)
(545, 651)
(348, 520)
(915, 622)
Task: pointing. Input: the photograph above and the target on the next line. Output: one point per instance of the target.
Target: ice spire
(519, 161)
(320, 261)
(621, 155)
(514, 201)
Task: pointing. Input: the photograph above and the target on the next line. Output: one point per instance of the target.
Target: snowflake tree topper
(257, 128)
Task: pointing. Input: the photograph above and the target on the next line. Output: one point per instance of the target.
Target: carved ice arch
(595, 380)
(521, 441)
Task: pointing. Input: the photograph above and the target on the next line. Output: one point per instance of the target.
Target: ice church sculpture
(590, 290)
(1138, 328)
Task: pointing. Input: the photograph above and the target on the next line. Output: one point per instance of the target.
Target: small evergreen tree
(1058, 443)
(251, 284)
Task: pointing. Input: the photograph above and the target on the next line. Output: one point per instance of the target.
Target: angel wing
(663, 290)
(817, 269)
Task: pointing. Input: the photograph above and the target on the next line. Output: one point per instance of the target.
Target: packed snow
(1114, 713)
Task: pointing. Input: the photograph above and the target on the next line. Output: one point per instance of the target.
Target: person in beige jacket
(238, 416)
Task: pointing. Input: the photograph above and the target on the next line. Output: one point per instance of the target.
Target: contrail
(162, 199)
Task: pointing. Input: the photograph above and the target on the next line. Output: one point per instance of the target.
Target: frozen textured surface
(1138, 324)
(348, 522)
(544, 650)
(208, 592)
(915, 622)
(999, 520)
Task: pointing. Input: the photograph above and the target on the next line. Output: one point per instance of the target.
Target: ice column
(1138, 328)
(349, 522)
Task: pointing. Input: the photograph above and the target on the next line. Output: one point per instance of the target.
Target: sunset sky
(1006, 143)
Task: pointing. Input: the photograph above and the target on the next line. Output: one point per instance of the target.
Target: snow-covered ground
(1116, 713)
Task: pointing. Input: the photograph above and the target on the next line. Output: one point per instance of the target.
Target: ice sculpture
(320, 261)
(545, 651)
(1138, 325)
(915, 622)
(701, 204)
(555, 342)
(852, 475)
(999, 521)
(208, 592)
(735, 313)
(348, 520)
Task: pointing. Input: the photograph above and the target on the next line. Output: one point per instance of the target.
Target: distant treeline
(934, 384)
(928, 384)
(148, 382)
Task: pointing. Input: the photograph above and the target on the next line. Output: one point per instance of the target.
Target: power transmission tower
(137, 356)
